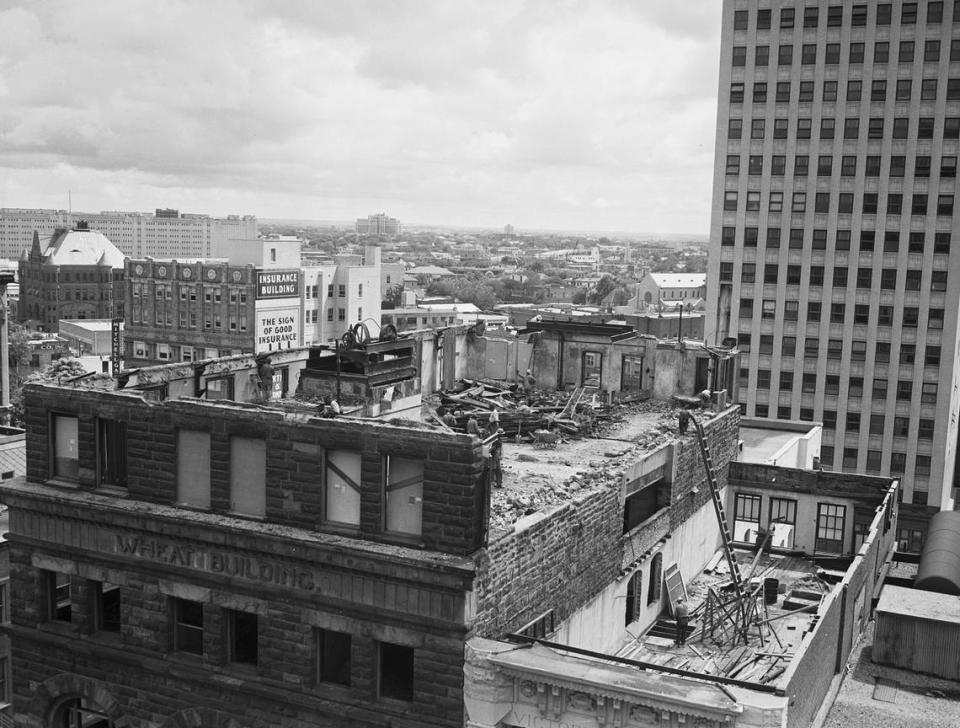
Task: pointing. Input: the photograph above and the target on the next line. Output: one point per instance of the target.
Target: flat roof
(761, 444)
(919, 604)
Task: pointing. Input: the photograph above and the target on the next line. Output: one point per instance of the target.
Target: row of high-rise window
(856, 53)
(916, 240)
(899, 128)
(838, 315)
(848, 166)
(878, 91)
(889, 279)
(919, 204)
(810, 17)
(909, 356)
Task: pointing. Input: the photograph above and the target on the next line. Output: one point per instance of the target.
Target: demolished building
(177, 561)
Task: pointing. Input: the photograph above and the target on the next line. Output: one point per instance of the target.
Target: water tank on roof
(940, 561)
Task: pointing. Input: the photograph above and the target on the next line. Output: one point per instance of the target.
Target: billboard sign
(278, 284)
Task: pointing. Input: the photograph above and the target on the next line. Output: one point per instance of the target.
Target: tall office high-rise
(835, 249)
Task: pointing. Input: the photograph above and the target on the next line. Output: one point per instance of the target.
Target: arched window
(634, 589)
(656, 579)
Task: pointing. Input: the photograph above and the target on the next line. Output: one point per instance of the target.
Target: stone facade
(291, 572)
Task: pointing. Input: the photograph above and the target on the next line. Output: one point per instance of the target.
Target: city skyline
(543, 116)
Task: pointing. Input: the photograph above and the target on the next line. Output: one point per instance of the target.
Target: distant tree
(621, 297)
(580, 297)
(481, 295)
(536, 266)
(55, 372)
(604, 287)
(18, 342)
(441, 288)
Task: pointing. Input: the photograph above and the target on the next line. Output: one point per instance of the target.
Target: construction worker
(473, 427)
(684, 421)
(682, 615)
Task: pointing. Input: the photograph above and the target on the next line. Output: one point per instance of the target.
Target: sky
(547, 114)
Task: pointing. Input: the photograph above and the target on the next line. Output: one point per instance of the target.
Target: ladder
(718, 507)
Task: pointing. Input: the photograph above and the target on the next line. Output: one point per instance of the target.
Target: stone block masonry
(561, 558)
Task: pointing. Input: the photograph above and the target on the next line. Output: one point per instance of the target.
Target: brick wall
(563, 558)
(379, 595)
(455, 489)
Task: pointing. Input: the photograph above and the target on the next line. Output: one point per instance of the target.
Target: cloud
(593, 113)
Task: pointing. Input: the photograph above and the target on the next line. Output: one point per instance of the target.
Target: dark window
(757, 128)
(59, 602)
(773, 237)
(806, 91)
(803, 128)
(395, 678)
(112, 452)
(814, 313)
(832, 54)
(809, 383)
(908, 353)
(851, 128)
(831, 518)
(953, 89)
(935, 318)
(787, 17)
(106, 606)
(884, 315)
(888, 279)
(925, 127)
(740, 19)
(770, 272)
(901, 127)
(733, 164)
(911, 317)
(728, 236)
(894, 203)
(941, 243)
(938, 280)
(333, 656)
(898, 166)
(811, 17)
(840, 277)
(242, 629)
(736, 93)
(726, 272)
(763, 19)
(864, 277)
(944, 204)
(916, 242)
(904, 390)
(799, 202)
(845, 203)
(753, 201)
(918, 205)
(931, 51)
(816, 275)
(785, 55)
(739, 55)
(735, 129)
(824, 165)
(778, 163)
(867, 238)
(935, 12)
(838, 314)
(854, 89)
(858, 17)
(819, 239)
(748, 273)
(869, 203)
(827, 127)
(834, 16)
(793, 275)
(878, 90)
(873, 163)
(881, 52)
(954, 50)
(842, 241)
(762, 56)
(951, 127)
(928, 89)
(801, 165)
(829, 90)
(908, 15)
(750, 237)
(808, 54)
(730, 200)
(861, 314)
(884, 13)
(796, 238)
(783, 92)
(875, 131)
(904, 88)
(906, 51)
(188, 626)
(948, 166)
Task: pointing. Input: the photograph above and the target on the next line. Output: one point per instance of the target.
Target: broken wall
(563, 559)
